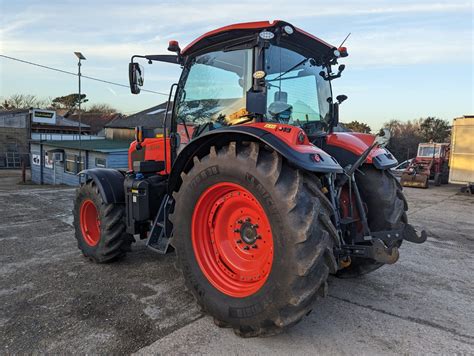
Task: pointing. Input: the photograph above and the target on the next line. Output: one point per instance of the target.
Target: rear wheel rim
(232, 239)
(90, 222)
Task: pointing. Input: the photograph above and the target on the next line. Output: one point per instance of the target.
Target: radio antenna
(344, 40)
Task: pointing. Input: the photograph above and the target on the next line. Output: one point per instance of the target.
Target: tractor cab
(249, 73)
(431, 151)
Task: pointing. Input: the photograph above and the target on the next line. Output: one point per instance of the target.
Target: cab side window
(215, 90)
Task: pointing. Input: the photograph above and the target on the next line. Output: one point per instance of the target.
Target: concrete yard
(52, 300)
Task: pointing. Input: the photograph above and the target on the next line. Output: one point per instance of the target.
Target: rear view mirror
(383, 137)
(135, 76)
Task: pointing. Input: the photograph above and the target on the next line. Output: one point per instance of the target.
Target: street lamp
(80, 57)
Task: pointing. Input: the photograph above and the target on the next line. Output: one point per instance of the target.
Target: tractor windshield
(296, 92)
(429, 151)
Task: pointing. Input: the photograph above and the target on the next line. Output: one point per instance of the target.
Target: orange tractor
(431, 162)
(247, 181)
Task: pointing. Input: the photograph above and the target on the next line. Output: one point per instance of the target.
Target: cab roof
(242, 30)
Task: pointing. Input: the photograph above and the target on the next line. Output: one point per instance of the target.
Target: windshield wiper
(292, 68)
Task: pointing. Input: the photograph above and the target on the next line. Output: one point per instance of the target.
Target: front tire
(99, 227)
(386, 210)
(227, 199)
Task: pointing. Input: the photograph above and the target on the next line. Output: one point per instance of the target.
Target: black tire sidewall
(87, 192)
(269, 298)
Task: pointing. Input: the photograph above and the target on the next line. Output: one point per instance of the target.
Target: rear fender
(346, 147)
(110, 183)
(305, 155)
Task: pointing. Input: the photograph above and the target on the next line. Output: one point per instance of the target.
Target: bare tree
(23, 101)
(101, 108)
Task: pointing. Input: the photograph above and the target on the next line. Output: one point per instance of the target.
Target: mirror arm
(335, 116)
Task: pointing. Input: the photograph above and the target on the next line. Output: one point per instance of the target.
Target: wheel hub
(248, 232)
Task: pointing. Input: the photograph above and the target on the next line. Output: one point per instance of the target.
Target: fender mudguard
(346, 147)
(110, 183)
(301, 157)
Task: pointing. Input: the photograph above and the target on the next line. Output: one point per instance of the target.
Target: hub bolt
(246, 248)
(247, 220)
(254, 246)
(239, 221)
(236, 230)
(258, 237)
(239, 241)
(255, 226)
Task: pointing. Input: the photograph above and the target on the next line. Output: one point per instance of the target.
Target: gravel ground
(52, 300)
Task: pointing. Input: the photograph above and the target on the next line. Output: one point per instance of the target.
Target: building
(18, 127)
(123, 128)
(58, 162)
(96, 121)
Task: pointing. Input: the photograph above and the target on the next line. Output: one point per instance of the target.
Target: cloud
(112, 30)
(114, 93)
(385, 33)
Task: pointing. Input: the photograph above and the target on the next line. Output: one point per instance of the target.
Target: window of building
(73, 163)
(80, 163)
(100, 162)
(70, 165)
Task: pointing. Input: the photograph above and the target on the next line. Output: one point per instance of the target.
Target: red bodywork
(153, 149)
(293, 136)
(248, 26)
(354, 142)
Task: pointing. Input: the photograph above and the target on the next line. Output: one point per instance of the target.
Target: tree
(434, 129)
(68, 102)
(101, 108)
(357, 126)
(23, 101)
(405, 137)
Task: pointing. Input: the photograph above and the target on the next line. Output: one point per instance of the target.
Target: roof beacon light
(266, 35)
(288, 29)
(343, 51)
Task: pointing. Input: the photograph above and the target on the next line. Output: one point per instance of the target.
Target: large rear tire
(99, 227)
(232, 200)
(386, 210)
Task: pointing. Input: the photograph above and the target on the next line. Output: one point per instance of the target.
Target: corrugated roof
(96, 121)
(105, 146)
(150, 118)
(62, 121)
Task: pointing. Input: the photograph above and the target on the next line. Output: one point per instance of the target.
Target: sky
(407, 59)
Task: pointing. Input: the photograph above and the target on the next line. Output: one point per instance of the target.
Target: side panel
(347, 147)
(461, 167)
(153, 149)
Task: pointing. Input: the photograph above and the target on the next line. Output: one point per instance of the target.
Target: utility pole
(80, 57)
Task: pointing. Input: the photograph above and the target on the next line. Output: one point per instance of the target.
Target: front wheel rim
(232, 239)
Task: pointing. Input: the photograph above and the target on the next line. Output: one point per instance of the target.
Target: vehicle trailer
(247, 182)
(461, 161)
